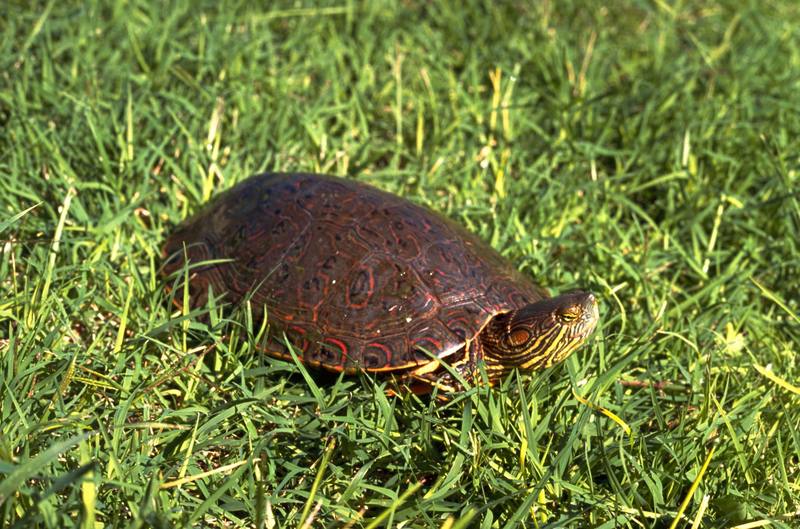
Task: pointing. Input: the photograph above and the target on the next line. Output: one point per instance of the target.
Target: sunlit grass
(648, 152)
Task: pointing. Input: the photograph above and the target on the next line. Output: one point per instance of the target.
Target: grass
(647, 151)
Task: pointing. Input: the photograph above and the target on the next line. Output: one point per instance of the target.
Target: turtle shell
(356, 277)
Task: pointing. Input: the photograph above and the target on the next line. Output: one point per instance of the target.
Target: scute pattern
(356, 277)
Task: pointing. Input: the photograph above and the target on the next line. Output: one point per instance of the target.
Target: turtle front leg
(434, 374)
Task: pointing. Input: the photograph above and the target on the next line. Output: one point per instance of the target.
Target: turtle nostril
(590, 309)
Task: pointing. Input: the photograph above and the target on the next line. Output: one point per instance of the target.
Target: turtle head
(540, 334)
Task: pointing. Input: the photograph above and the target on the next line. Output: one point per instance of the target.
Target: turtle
(357, 279)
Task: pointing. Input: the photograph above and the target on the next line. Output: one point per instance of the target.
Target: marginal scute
(357, 278)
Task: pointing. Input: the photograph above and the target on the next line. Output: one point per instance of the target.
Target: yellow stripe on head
(537, 356)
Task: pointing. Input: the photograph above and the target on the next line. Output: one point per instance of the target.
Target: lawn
(648, 151)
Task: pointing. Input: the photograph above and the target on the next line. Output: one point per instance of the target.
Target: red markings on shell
(360, 288)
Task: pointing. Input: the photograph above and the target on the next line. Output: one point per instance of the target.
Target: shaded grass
(645, 151)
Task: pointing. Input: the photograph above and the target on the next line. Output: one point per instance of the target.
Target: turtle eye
(569, 314)
(519, 337)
